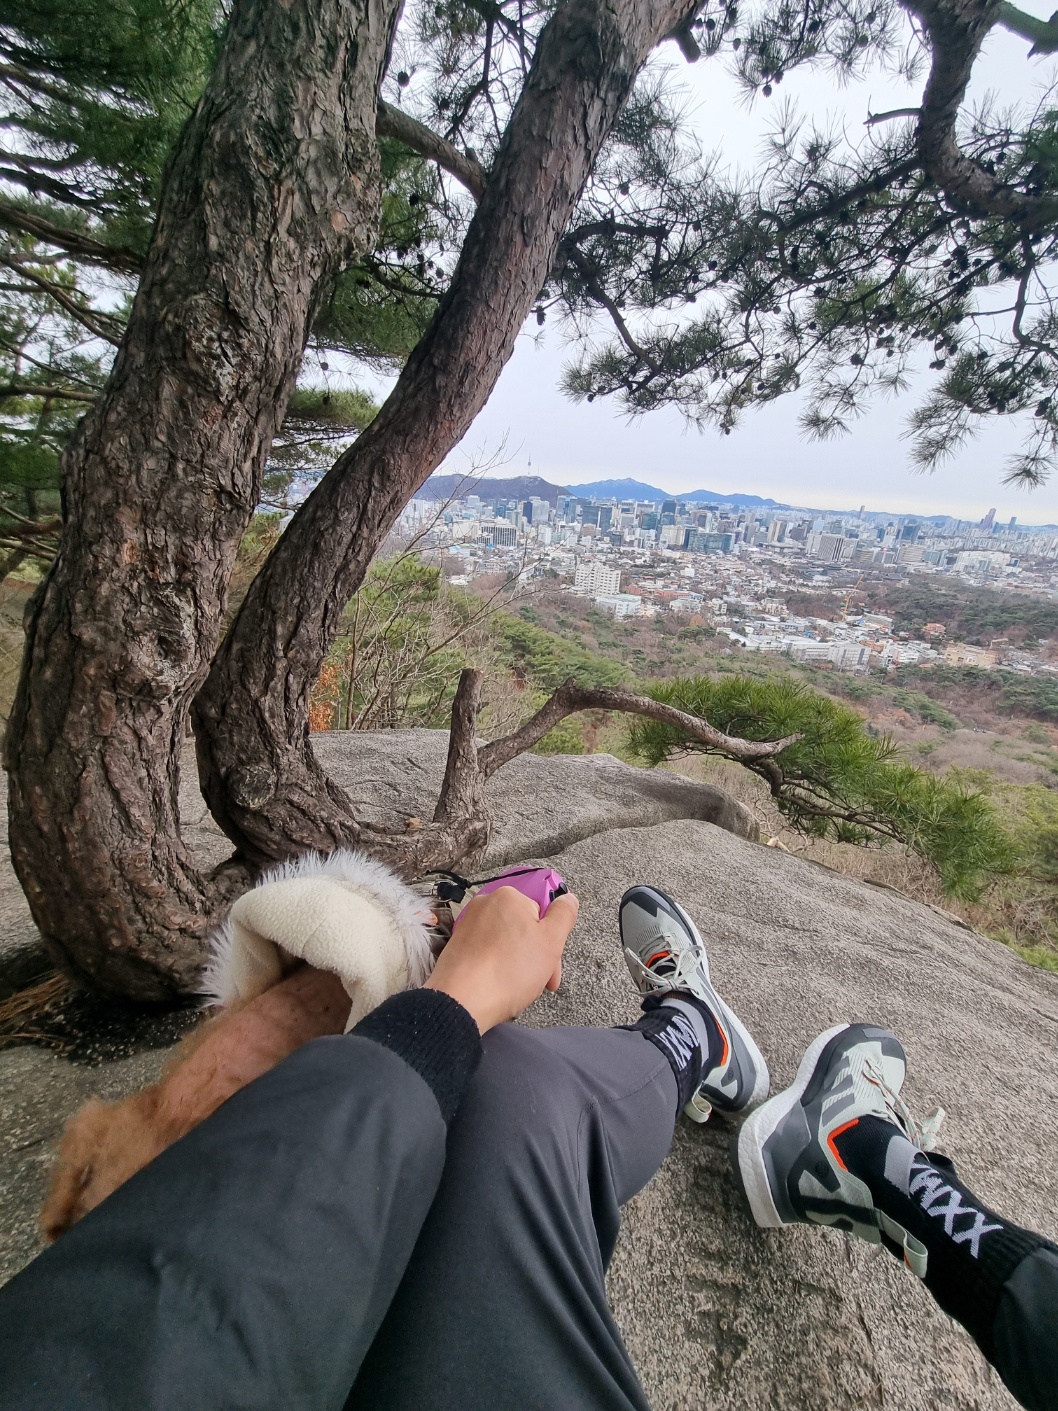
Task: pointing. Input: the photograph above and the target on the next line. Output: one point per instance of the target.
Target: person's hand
(503, 955)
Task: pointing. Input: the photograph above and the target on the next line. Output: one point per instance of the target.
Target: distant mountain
(518, 487)
(746, 501)
(629, 489)
(618, 490)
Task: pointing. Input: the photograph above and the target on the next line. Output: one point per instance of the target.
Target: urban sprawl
(732, 568)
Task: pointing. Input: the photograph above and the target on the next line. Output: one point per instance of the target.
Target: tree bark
(955, 31)
(273, 188)
(260, 777)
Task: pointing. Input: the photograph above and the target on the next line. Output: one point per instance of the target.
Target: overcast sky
(545, 434)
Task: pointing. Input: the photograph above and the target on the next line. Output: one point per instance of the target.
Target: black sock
(971, 1251)
(686, 1034)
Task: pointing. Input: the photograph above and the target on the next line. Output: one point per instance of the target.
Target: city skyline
(529, 428)
(582, 488)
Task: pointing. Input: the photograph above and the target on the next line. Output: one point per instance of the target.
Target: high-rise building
(668, 507)
(989, 520)
(595, 578)
(700, 541)
(831, 548)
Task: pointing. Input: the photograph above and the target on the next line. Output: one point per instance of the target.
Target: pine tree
(530, 152)
(96, 96)
(836, 780)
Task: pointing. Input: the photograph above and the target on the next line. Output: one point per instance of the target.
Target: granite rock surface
(716, 1313)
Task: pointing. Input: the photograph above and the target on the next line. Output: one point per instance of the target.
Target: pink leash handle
(539, 884)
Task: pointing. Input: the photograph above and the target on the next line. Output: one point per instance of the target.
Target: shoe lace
(684, 964)
(923, 1134)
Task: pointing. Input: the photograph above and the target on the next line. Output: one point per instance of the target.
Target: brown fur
(107, 1142)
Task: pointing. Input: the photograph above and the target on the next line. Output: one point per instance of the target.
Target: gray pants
(503, 1303)
(324, 1229)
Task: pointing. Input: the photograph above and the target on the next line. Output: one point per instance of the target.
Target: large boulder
(718, 1314)
(540, 803)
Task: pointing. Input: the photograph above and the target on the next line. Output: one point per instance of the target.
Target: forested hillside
(969, 614)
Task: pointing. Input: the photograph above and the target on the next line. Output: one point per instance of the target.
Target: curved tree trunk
(273, 188)
(258, 772)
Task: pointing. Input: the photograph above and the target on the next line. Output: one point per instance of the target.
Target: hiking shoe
(789, 1150)
(665, 954)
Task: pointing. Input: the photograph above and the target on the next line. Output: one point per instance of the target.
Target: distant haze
(524, 487)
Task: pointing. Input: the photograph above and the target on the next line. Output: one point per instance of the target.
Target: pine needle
(21, 1013)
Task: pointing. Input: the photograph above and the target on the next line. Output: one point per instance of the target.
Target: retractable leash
(450, 893)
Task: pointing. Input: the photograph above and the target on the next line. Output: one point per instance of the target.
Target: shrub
(838, 781)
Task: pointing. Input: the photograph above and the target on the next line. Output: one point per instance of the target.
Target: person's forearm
(252, 1262)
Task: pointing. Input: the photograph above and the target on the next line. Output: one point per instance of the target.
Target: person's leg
(839, 1148)
(503, 1306)
(503, 1303)
(251, 1263)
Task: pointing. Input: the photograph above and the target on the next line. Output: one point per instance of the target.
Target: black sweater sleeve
(251, 1264)
(434, 1035)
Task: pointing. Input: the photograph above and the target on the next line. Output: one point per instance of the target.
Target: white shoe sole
(759, 1127)
(763, 1083)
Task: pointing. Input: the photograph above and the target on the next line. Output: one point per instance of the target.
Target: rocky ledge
(717, 1313)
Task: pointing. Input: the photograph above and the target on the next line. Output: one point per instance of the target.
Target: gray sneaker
(788, 1150)
(664, 952)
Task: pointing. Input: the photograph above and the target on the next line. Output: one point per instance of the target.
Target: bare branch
(683, 37)
(460, 795)
(569, 698)
(393, 122)
(893, 113)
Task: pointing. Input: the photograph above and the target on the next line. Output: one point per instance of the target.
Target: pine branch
(37, 182)
(1043, 33)
(570, 698)
(595, 288)
(120, 258)
(65, 394)
(98, 324)
(393, 122)
(843, 200)
(955, 33)
(461, 804)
